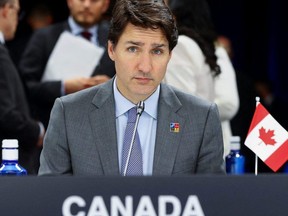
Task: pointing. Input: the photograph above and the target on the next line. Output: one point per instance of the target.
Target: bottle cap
(10, 149)
(235, 139)
(235, 143)
(10, 143)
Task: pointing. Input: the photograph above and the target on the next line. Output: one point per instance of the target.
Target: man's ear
(69, 3)
(111, 52)
(105, 6)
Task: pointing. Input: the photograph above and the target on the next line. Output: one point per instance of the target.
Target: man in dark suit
(84, 16)
(15, 120)
(178, 134)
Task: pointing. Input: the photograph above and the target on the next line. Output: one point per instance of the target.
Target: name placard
(163, 196)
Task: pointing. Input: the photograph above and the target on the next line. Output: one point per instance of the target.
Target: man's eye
(132, 49)
(157, 51)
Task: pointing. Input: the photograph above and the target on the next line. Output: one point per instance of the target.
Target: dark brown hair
(194, 20)
(152, 14)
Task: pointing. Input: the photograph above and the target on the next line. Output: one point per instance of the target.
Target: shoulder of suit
(104, 24)
(185, 98)
(54, 29)
(4, 53)
(2, 47)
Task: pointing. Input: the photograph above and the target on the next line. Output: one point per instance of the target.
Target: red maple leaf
(266, 137)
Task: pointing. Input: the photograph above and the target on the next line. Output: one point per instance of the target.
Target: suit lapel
(102, 120)
(167, 142)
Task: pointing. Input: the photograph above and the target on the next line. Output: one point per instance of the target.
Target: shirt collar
(2, 40)
(76, 29)
(123, 105)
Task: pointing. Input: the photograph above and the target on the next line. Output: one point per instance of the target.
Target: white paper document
(72, 57)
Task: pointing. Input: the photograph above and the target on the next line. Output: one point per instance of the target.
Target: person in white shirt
(198, 66)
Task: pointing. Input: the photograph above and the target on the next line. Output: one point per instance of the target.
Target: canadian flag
(267, 139)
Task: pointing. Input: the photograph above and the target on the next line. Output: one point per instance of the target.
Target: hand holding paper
(72, 57)
(79, 83)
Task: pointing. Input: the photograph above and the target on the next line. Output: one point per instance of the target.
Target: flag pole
(256, 157)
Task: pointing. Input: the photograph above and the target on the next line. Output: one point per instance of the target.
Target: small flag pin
(174, 127)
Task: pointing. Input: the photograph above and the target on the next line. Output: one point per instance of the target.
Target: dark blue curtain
(278, 46)
(259, 34)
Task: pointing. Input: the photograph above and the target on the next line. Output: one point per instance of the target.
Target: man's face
(13, 9)
(87, 12)
(141, 57)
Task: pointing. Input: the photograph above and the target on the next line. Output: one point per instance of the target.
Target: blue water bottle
(10, 166)
(235, 162)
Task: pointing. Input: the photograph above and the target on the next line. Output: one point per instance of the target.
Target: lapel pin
(174, 127)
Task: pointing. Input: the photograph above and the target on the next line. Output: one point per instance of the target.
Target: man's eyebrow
(154, 45)
(135, 43)
(159, 45)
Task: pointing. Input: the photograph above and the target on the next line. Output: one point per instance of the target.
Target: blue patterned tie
(135, 164)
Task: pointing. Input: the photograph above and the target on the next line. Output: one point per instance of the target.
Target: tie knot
(86, 34)
(132, 114)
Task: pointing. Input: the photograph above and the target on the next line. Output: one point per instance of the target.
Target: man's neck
(75, 27)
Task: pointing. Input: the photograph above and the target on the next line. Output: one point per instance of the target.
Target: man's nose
(145, 63)
(87, 3)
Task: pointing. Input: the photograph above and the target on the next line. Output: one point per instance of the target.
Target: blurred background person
(84, 16)
(15, 120)
(39, 16)
(198, 66)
